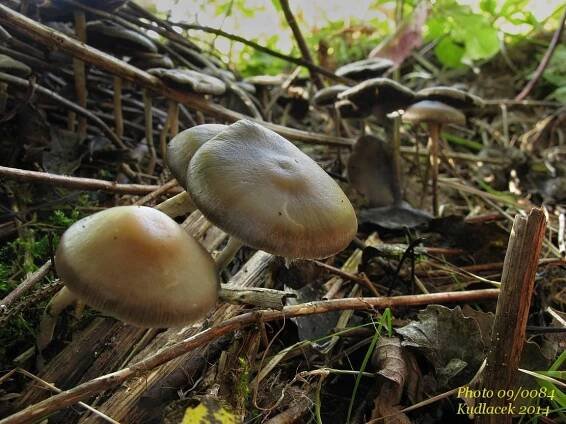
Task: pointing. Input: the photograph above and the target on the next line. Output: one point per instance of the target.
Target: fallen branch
(79, 183)
(83, 391)
(54, 39)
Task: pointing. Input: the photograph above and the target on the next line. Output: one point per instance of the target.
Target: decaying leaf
(388, 359)
(450, 341)
(208, 412)
(406, 38)
(65, 152)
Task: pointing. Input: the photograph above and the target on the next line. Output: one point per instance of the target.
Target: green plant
(384, 322)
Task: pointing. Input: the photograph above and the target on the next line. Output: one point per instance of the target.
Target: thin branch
(10, 79)
(305, 52)
(77, 183)
(296, 60)
(85, 390)
(545, 60)
(24, 286)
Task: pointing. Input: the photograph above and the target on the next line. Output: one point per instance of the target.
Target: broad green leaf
(449, 53)
(483, 44)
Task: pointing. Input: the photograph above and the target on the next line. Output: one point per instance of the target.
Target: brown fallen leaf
(388, 358)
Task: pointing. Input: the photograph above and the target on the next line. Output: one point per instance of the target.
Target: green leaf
(449, 53)
(488, 6)
(483, 45)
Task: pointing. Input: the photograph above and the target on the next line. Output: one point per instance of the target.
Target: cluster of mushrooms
(137, 264)
(381, 97)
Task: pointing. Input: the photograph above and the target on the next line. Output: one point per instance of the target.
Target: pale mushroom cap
(191, 80)
(183, 146)
(13, 67)
(433, 112)
(261, 189)
(138, 265)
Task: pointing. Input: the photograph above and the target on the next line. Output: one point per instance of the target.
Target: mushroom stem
(434, 131)
(56, 305)
(396, 159)
(118, 116)
(226, 256)
(178, 205)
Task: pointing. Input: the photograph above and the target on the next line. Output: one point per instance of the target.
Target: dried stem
(78, 183)
(509, 327)
(118, 116)
(79, 70)
(305, 52)
(83, 391)
(149, 131)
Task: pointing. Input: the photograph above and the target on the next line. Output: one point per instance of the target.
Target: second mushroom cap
(263, 190)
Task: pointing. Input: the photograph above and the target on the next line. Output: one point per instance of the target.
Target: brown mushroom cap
(108, 36)
(365, 69)
(263, 190)
(138, 265)
(328, 95)
(183, 146)
(433, 112)
(379, 96)
(451, 96)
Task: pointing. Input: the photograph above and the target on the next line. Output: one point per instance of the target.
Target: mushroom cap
(148, 60)
(450, 96)
(13, 67)
(378, 95)
(327, 96)
(364, 69)
(266, 80)
(191, 80)
(183, 146)
(138, 265)
(108, 36)
(261, 189)
(433, 112)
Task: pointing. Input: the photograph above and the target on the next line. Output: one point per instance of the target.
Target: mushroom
(135, 264)
(328, 95)
(180, 151)
(264, 192)
(365, 69)
(435, 114)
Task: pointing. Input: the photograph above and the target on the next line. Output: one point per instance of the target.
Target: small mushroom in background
(149, 60)
(180, 151)
(135, 264)
(11, 67)
(365, 69)
(435, 114)
(327, 96)
(267, 194)
(371, 171)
